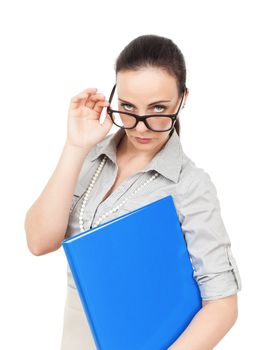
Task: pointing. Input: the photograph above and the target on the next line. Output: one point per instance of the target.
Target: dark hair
(156, 51)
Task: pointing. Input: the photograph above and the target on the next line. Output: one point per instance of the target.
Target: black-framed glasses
(154, 122)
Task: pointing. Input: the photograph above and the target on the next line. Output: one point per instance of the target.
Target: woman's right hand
(84, 127)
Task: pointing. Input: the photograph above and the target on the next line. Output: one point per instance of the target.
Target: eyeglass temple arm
(182, 99)
(173, 128)
(112, 92)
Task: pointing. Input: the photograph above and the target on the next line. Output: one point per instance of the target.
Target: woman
(150, 81)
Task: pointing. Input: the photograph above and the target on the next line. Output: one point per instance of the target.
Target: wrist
(76, 151)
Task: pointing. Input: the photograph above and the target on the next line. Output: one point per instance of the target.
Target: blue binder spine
(81, 293)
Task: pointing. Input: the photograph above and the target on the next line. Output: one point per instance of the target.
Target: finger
(84, 94)
(91, 100)
(90, 90)
(100, 105)
(97, 96)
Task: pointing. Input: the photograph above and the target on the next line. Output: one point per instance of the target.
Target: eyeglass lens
(156, 122)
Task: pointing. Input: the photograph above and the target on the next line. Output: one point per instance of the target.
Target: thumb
(107, 123)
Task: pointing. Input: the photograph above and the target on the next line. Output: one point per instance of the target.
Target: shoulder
(193, 176)
(95, 150)
(103, 142)
(195, 191)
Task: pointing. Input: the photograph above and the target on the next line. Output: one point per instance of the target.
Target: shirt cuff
(216, 286)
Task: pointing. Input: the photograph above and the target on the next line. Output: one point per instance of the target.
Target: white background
(51, 51)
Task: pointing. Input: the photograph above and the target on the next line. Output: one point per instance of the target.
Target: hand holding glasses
(155, 122)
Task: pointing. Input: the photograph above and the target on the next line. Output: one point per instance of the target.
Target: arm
(209, 325)
(214, 266)
(47, 219)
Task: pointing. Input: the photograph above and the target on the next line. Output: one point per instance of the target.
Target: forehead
(147, 83)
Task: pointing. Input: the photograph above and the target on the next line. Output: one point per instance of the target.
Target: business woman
(100, 176)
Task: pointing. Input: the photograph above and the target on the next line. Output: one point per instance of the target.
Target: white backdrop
(51, 51)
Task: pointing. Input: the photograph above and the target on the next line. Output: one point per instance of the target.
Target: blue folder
(135, 278)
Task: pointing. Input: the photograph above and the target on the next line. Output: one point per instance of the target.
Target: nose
(141, 127)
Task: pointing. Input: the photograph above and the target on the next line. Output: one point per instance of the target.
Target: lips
(142, 138)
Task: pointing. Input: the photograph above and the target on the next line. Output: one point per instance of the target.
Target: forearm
(208, 326)
(46, 220)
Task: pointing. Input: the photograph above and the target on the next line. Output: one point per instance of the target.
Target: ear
(186, 93)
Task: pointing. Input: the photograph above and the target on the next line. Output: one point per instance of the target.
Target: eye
(161, 106)
(124, 106)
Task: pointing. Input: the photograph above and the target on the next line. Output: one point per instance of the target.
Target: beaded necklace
(113, 210)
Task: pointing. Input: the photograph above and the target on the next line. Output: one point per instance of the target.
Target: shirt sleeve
(208, 243)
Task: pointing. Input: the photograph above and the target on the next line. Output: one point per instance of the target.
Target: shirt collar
(168, 161)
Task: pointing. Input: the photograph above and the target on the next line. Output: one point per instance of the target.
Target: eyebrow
(150, 104)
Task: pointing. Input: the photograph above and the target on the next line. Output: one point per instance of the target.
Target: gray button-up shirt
(195, 199)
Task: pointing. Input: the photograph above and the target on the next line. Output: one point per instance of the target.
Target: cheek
(163, 139)
(163, 136)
